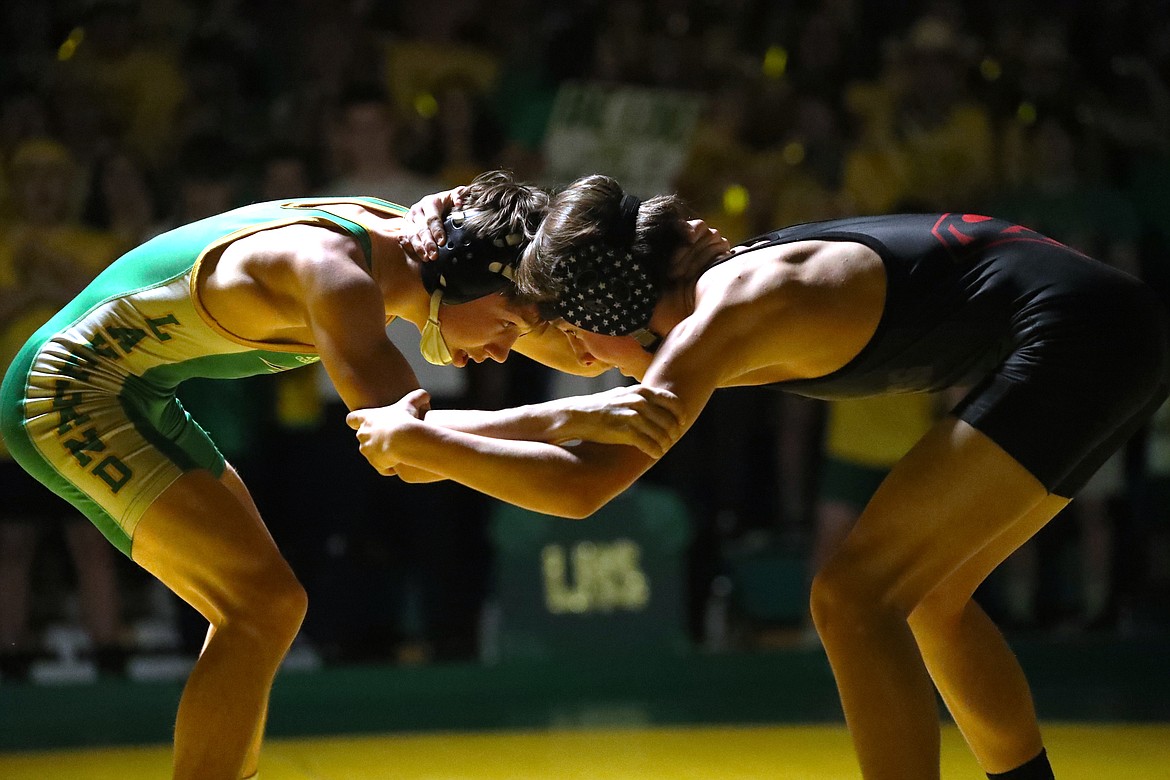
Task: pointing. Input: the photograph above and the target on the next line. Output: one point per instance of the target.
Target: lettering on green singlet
(127, 338)
(78, 365)
(101, 345)
(113, 472)
(155, 324)
(65, 404)
(109, 469)
(89, 442)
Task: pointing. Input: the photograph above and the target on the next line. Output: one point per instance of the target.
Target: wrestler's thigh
(951, 495)
(958, 588)
(232, 481)
(209, 546)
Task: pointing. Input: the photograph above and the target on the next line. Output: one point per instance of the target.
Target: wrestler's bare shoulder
(790, 268)
(371, 219)
(301, 248)
(793, 310)
(278, 259)
(256, 286)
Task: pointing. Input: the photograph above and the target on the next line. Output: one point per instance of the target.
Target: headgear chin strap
(608, 290)
(432, 345)
(468, 267)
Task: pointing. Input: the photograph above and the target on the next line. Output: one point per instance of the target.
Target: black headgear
(469, 266)
(607, 290)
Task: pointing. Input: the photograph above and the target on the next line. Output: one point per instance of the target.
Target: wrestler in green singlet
(89, 403)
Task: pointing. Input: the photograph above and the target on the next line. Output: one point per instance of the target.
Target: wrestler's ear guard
(468, 267)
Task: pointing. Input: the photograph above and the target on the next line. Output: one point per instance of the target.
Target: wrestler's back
(962, 292)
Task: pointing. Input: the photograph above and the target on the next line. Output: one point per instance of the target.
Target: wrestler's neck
(386, 254)
(674, 306)
(399, 278)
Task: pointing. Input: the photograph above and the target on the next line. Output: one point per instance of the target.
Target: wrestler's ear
(704, 245)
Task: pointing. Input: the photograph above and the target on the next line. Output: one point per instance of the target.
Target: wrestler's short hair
(484, 238)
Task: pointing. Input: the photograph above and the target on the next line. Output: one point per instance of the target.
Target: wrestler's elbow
(571, 502)
(580, 509)
(585, 497)
(564, 511)
(564, 504)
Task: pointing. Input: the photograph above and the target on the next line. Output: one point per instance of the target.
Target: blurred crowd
(122, 118)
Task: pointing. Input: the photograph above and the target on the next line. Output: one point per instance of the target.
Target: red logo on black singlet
(958, 231)
(955, 230)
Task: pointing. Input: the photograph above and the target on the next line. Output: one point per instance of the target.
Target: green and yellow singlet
(88, 405)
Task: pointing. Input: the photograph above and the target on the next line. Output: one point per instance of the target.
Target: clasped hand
(638, 416)
(382, 433)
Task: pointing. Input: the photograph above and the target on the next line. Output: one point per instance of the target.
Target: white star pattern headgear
(606, 290)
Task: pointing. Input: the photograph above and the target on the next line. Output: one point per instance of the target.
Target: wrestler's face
(621, 352)
(485, 328)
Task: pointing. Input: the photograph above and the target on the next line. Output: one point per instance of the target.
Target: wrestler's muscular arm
(635, 414)
(575, 481)
(345, 313)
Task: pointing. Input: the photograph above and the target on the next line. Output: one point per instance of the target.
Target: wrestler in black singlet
(1066, 357)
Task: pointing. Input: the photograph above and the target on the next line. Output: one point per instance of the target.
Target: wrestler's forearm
(535, 422)
(563, 481)
(417, 476)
